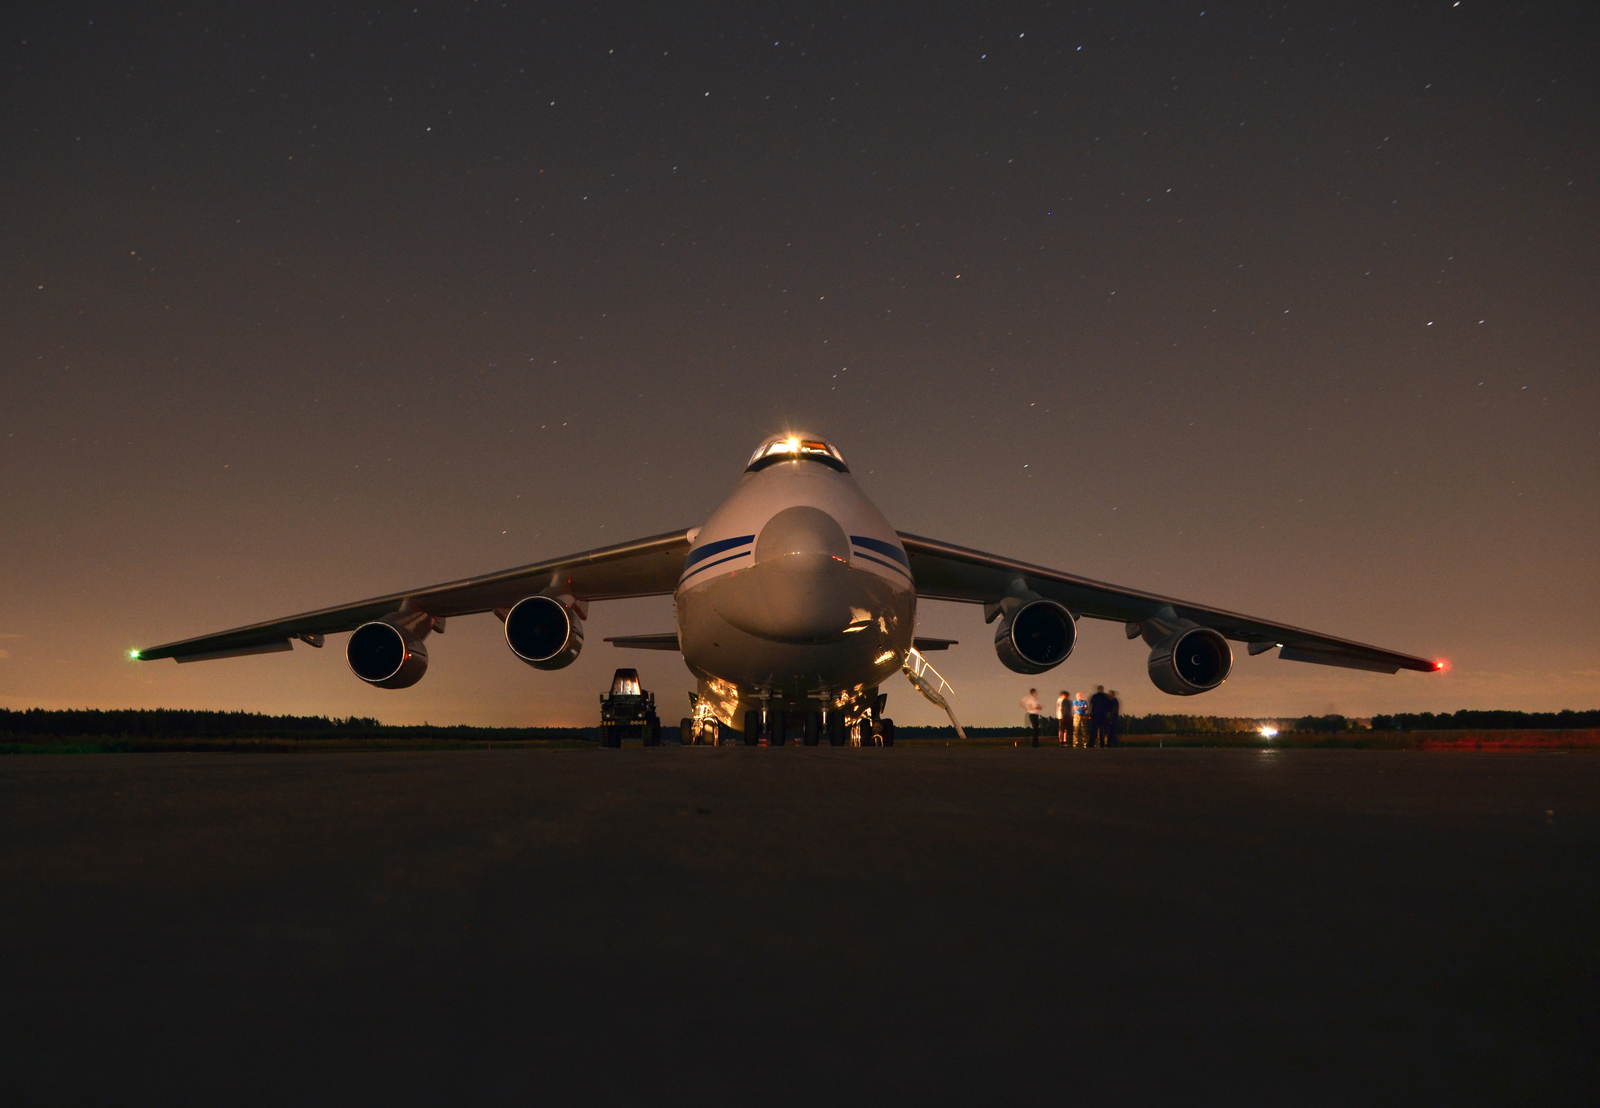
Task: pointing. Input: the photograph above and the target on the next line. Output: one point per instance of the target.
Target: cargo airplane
(796, 600)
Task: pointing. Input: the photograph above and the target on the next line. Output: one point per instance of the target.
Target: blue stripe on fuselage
(884, 564)
(878, 546)
(708, 565)
(700, 553)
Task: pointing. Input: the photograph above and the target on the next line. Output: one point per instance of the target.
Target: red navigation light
(1440, 665)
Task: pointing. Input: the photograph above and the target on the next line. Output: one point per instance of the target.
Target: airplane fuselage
(796, 595)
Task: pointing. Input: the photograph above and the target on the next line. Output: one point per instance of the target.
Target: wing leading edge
(946, 572)
(646, 567)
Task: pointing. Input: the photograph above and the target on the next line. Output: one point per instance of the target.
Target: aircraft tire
(837, 735)
(813, 732)
(686, 731)
(780, 729)
(752, 727)
(888, 732)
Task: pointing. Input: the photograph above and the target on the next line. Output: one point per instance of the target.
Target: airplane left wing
(647, 567)
(946, 572)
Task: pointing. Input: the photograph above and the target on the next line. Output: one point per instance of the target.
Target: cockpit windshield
(794, 448)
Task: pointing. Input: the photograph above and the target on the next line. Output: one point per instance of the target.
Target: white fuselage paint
(795, 595)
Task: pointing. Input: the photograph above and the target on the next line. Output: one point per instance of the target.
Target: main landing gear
(775, 728)
(824, 725)
(771, 727)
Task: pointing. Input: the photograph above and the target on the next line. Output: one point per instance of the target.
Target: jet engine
(1191, 659)
(1035, 636)
(386, 656)
(544, 632)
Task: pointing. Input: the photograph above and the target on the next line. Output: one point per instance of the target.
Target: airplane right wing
(946, 572)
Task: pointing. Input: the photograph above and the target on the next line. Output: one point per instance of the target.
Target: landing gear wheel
(813, 732)
(837, 736)
(686, 731)
(886, 730)
(752, 727)
(780, 729)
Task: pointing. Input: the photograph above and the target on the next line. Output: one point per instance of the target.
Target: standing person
(1032, 708)
(1064, 717)
(1099, 706)
(1080, 719)
(1113, 719)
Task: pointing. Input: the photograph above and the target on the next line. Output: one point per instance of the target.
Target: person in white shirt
(1064, 717)
(1031, 706)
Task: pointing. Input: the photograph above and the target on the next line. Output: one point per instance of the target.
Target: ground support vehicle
(628, 712)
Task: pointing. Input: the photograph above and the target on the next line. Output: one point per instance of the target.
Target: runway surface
(800, 926)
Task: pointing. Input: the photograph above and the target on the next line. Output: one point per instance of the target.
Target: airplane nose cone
(801, 588)
(802, 530)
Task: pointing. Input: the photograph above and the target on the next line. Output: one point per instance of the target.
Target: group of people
(1094, 721)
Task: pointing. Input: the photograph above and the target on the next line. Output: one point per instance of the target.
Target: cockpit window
(793, 448)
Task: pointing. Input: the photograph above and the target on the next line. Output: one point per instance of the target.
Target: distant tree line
(1185, 725)
(1487, 721)
(176, 723)
(1324, 723)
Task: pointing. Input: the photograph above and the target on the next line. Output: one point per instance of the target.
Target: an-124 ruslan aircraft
(795, 602)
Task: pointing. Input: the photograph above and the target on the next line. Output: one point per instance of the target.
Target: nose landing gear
(873, 731)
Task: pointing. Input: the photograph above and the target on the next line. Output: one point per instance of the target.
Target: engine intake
(544, 632)
(1190, 660)
(386, 656)
(1035, 637)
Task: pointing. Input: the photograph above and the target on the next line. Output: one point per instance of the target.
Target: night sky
(1287, 308)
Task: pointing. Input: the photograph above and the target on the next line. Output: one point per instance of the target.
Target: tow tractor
(628, 712)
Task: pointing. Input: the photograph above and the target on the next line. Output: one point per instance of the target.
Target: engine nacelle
(544, 632)
(386, 656)
(1190, 660)
(1035, 636)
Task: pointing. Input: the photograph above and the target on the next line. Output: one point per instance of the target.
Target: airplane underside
(794, 635)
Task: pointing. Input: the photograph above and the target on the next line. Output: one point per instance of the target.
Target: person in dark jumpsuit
(1099, 709)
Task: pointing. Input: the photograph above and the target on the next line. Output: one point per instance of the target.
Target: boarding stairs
(931, 685)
